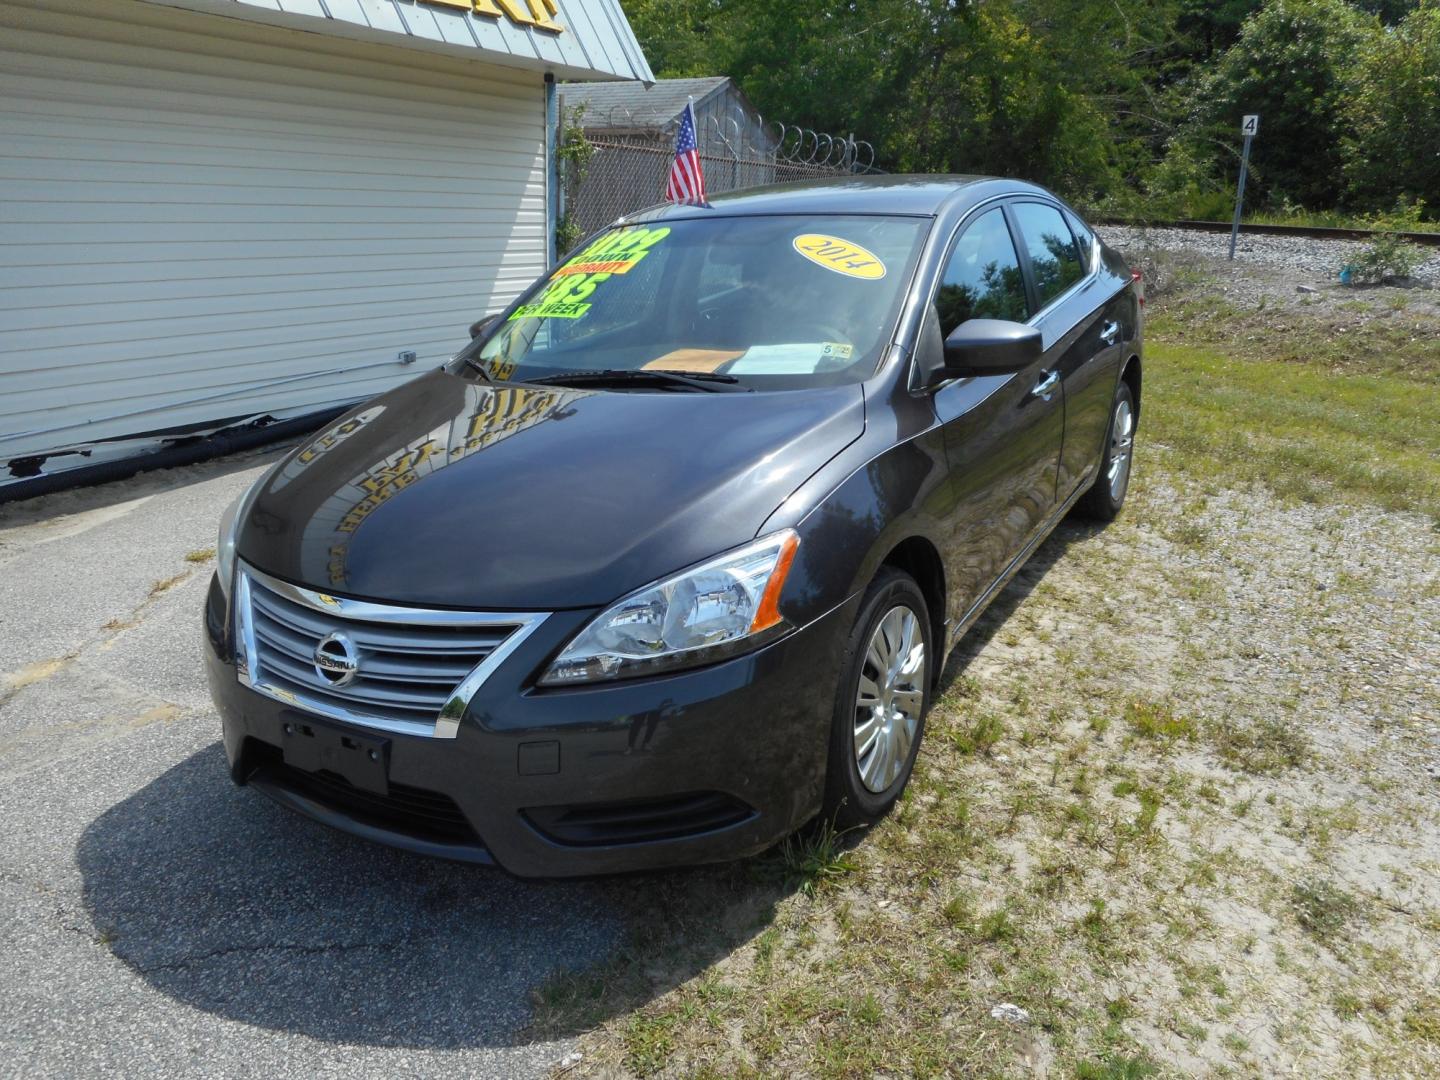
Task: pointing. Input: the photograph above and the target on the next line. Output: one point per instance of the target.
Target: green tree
(1391, 148)
(1293, 65)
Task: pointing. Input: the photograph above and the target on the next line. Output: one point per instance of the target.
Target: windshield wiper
(479, 368)
(708, 381)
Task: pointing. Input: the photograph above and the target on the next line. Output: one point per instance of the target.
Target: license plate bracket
(363, 760)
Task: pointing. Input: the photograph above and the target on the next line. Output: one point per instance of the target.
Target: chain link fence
(624, 171)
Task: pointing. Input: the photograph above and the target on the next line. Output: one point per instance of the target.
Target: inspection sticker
(842, 256)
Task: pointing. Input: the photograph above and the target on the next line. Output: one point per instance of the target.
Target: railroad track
(1429, 239)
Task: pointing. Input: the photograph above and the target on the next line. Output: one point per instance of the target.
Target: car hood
(452, 493)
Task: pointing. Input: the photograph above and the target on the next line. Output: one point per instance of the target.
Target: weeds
(1322, 908)
(814, 858)
(1423, 1020)
(1117, 1068)
(980, 736)
(1159, 721)
(1268, 746)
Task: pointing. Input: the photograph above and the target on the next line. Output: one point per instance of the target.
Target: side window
(1084, 237)
(1053, 256)
(982, 279)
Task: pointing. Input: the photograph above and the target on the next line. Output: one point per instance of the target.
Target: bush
(1388, 257)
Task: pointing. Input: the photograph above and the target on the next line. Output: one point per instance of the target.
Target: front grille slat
(370, 691)
(417, 667)
(406, 671)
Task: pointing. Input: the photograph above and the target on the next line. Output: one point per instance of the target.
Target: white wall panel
(193, 206)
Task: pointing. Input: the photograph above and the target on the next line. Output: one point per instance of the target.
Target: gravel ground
(158, 921)
(1315, 262)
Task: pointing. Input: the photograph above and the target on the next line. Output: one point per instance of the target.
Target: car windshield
(766, 303)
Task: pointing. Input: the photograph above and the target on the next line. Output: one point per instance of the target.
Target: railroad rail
(1308, 232)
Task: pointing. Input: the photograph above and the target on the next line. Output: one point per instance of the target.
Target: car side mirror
(480, 326)
(991, 347)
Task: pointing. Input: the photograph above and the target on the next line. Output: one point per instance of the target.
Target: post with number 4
(1249, 126)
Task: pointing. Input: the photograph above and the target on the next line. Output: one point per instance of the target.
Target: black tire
(848, 800)
(1105, 498)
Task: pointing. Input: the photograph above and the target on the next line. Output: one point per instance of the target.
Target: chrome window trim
(447, 721)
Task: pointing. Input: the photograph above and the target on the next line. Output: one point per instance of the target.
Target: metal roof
(596, 40)
(634, 105)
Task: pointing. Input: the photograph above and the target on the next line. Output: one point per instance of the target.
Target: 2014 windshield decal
(839, 255)
(567, 294)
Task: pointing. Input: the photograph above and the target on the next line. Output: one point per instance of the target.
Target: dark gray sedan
(669, 559)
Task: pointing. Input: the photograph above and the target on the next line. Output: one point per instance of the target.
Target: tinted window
(982, 279)
(1053, 255)
(1083, 236)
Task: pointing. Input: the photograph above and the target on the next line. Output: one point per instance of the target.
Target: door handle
(1110, 332)
(1046, 386)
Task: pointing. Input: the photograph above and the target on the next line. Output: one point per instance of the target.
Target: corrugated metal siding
(596, 40)
(189, 215)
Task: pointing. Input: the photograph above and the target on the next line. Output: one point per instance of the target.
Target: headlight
(225, 545)
(230, 522)
(715, 610)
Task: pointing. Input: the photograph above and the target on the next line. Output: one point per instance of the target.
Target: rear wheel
(1105, 498)
(881, 702)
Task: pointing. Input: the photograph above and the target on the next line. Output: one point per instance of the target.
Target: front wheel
(1105, 498)
(881, 702)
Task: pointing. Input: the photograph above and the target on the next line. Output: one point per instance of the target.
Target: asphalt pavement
(155, 919)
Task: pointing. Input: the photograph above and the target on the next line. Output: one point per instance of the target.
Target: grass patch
(1266, 747)
(1158, 720)
(979, 737)
(1322, 908)
(166, 584)
(813, 859)
(1423, 1021)
(649, 1042)
(1117, 1067)
(200, 555)
(1303, 432)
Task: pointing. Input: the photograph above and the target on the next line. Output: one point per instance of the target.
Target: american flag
(687, 181)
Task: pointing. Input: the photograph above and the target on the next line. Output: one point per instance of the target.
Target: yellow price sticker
(842, 256)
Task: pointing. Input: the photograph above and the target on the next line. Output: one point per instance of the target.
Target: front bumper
(695, 767)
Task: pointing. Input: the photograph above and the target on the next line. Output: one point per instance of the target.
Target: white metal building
(213, 211)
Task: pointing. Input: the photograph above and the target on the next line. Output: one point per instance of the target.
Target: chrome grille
(415, 669)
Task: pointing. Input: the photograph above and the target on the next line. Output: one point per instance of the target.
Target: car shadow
(1070, 531)
(227, 903)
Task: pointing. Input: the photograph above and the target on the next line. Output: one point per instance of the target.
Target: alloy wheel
(890, 698)
(1122, 441)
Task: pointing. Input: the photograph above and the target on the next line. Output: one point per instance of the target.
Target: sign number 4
(1250, 125)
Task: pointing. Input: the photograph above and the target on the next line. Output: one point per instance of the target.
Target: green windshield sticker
(557, 309)
(565, 296)
(617, 252)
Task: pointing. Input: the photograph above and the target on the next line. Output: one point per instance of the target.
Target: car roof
(886, 194)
